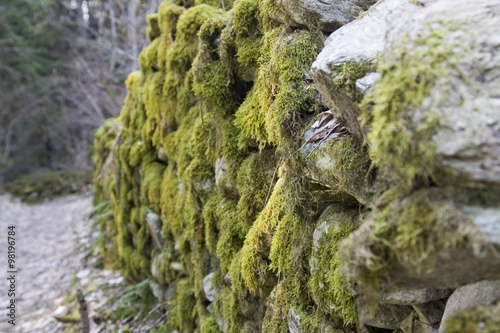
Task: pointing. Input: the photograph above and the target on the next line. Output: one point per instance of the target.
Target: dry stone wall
(311, 166)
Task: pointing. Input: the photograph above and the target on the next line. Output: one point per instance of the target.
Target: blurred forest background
(62, 69)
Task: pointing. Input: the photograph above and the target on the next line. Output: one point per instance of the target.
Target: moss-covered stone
(397, 143)
(407, 242)
(332, 290)
(480, 319)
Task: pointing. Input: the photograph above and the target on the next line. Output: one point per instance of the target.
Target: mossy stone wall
(217, 199)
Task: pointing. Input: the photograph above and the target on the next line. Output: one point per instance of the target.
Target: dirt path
(47, 236)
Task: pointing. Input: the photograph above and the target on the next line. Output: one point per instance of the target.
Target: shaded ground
(53, 239)
(47, 236)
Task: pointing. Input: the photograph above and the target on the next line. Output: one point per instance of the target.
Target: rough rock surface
(464, 97)
(209, 288)
(361, 42)
(469, 296)
(387, 316)
(408, 297)
(474, 256)
(328, 15)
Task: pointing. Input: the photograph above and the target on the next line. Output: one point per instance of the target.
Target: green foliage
(137, 298)
(28, 49)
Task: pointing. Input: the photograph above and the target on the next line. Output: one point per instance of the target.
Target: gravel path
(47, 238)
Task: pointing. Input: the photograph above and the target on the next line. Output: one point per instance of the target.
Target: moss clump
(331, 289)
(153, 29)
(477, 320)
(214, 80)
(241, 40)
(151, 185)
(186, 42)
(168, 15)
(398, 143)
(183, 307)
(227, 306)
(281, 95)
(224, 232)
(254, 183)
(208, 324)
(347, 74)
(279, 240)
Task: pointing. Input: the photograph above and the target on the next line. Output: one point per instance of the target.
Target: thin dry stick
(84, 313)
(319, 144)
(151, 312)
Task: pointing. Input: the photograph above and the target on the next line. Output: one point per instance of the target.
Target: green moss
(272, 242)
(280, 95)
(208, 324)
(480, 319)
(137, 151)
(347, 74)
(168, 16)
(241, 40)
(151, 184)
(153, 29)
(254, 183)
(345, 165)
(330, 287)
(213, 81)
(227, 305)
(409, 235)
(186, 42)
(183, 307)
(397, 142)
(224, 233)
